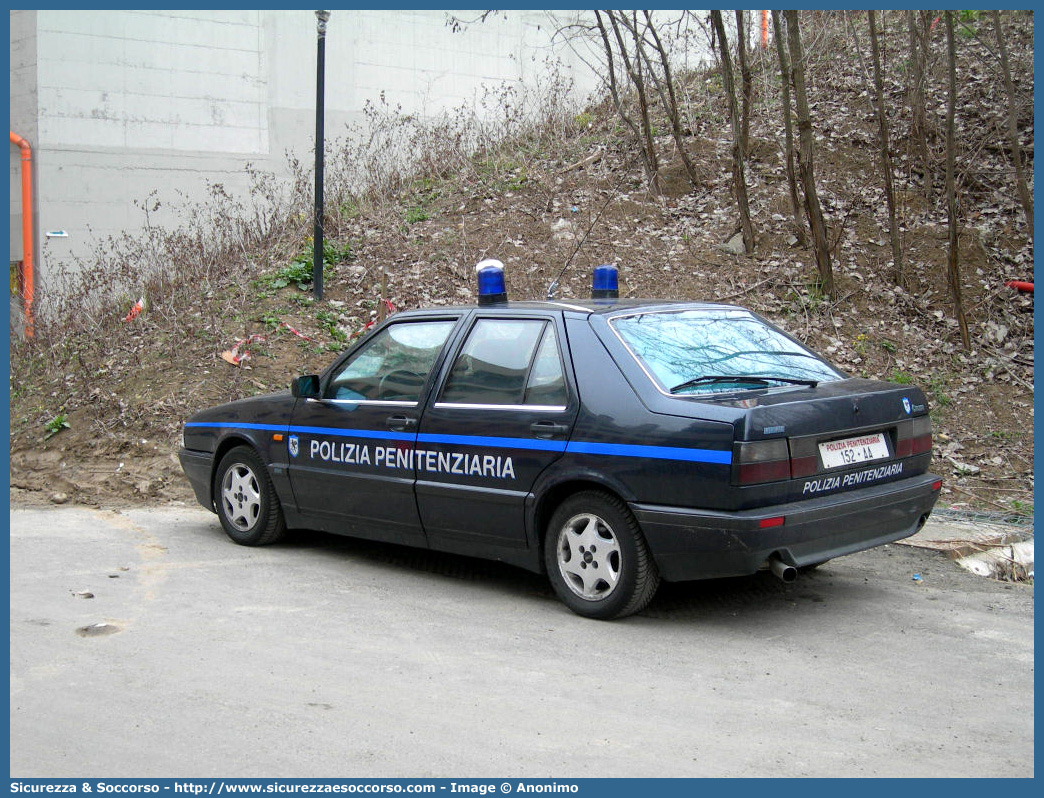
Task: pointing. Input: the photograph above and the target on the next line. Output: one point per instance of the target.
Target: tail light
(762, 461)
(775, 460)
(914, 437)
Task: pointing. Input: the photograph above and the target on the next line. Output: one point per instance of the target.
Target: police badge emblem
(295, 445)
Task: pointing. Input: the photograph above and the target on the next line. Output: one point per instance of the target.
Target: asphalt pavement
(145, 644)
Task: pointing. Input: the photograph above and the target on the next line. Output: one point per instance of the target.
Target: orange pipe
(27, 229)
(764, 30)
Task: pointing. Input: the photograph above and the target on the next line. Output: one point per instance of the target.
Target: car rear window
(508, 362)
(676, 348)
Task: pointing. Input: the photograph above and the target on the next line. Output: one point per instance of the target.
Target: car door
(503, 414)
(351, 462)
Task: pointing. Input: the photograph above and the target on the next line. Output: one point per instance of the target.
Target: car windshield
(717, 350)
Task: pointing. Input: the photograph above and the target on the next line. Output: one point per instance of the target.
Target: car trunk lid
(799, 443)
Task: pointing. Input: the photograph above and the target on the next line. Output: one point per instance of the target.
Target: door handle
(401, 423)
(548, 429)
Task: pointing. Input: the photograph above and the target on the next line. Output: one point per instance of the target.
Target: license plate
(853, 451)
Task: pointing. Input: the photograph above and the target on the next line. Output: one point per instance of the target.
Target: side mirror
(305, 387)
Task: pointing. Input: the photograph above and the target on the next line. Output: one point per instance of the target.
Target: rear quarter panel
(654, 457)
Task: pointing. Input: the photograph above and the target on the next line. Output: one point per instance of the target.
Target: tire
(246, 500)
(597, 559)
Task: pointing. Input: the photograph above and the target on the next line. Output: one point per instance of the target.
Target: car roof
(587, 306)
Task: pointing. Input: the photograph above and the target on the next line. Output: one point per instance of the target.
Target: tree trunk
(634, 72)
(1013, 126)
(953, 261)
(739, 178)
(886, 157)
(649, 160)
(919, 121)
(805, 157)
(788, 130)
(670, 101)
(747, 83)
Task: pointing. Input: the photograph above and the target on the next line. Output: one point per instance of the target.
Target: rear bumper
(198, 467)
(701, 544)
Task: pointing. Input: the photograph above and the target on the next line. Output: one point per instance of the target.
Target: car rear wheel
(597, 559)
(246, 500)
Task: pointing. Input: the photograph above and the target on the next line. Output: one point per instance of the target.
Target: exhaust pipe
(786, 573)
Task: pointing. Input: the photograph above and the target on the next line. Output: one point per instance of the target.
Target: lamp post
(322, 17)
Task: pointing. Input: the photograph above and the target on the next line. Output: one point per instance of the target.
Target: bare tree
(1013, 126)
(746, 82)
(635, 71)
(919, 121)
(642, 134)
(806, 167)
(953, 261)
(739, 177)
(668, 98)
(886, 157)
(788, 129)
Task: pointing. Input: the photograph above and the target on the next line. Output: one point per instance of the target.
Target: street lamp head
(322, 18)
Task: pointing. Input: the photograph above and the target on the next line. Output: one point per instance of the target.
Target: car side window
(393, 366)
(507, 362)
(546, 384)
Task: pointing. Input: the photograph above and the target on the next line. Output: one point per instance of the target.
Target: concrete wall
(23, 111)
(121, 105)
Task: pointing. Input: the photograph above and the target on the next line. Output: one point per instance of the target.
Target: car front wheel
(597, 559)
(246, 500)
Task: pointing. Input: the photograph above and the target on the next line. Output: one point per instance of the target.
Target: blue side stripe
(219, 425)
(714, 456)
(357, 433)
(504, 443)
(336, 432)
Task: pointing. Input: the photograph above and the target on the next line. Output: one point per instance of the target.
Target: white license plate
(853, 451)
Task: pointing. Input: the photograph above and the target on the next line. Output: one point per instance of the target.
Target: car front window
(393, 366)
(717, 350)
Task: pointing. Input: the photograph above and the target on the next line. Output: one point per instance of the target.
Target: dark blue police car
(608, 443)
